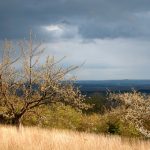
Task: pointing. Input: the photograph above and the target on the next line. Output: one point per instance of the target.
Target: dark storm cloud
(93, 18)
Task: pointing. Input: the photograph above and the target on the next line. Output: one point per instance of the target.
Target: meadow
(33, 138)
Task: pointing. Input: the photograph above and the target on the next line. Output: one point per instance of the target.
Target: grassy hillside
(42, 139)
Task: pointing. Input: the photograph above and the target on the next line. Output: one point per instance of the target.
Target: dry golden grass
(42, 139)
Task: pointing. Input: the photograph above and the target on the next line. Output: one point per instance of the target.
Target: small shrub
(113, 128)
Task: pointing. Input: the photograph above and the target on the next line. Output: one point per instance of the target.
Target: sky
(111, 38)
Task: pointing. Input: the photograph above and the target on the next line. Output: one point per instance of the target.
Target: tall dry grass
(44, 139)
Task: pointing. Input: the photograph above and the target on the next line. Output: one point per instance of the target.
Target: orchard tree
(26, 84)
(135, 108)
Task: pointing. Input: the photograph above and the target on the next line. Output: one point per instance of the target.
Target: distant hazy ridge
(113, 85)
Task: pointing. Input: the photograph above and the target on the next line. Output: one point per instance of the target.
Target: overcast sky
(111, 37)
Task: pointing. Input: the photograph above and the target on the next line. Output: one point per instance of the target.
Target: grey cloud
(93, 18)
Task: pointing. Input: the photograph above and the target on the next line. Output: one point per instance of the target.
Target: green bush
(89, 123)
(113, 124)
(55, 116)
(65, 117)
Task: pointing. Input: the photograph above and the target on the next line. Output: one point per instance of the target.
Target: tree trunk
(16, 120)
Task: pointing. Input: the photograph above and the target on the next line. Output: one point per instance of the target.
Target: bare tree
(135, 108)
(26, 84)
